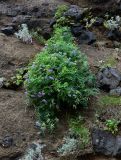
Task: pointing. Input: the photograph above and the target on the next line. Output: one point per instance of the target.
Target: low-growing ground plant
(17, 80)
(39, 38)
(59, 76)
(23, 34)
(70, 145)
(113, 23)
(34, 152)
(108, 100)
(112, 125)
(78, 129)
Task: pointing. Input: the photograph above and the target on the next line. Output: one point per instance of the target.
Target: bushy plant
(113, 23)
(60, 11)
(17, 80)
(61, 20)
(59, 75)
(112, 125)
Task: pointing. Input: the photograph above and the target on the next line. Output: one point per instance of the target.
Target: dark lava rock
(46, 33)
(105, 143)
(77, 30)
(52, 22)
(86, 37)
(109, 78)
(116, 91)
(114, 35)
(8, 30)
(98, 22)
(21, 19)
(74, 12)
(100, 1)
(7, 141)
(117, 151)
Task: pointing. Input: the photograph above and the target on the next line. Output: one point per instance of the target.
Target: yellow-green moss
(110, 100)
(110, 62)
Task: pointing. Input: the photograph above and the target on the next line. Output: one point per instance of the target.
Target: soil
(16, 119)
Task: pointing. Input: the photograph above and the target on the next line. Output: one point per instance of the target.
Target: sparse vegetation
(17, 80)
(112, 125)
(113, 23)
(70, 145)
(61, 20)
(34, 151)
(23, 34)
(39, 38)
(110, 100)
(60, 11)
(78, 129)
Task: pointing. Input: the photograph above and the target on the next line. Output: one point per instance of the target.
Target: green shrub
(61, 20)
(112, 125)
(59, 75)
(60, 11)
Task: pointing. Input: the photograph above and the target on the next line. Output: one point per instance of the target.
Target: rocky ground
(17, 129)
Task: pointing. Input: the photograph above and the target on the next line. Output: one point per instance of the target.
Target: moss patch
(110, 62)
(110, 101)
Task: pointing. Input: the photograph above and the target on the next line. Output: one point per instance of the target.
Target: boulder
(7, 141)
(116, 91)
(114, 35)
(105, 143)
(108, 78)
(100, 1)
(8, 30)
(77, 30)
(86, 37)
(99, 21)
(74, 12)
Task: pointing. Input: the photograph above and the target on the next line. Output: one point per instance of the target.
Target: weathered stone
(109, 78)
(77, 30)
(1, 82)
(105, 143)
(7, 141)
(74, 12)
(117, 151)
(116, 91)
(98, 22)
(114, 35)
(8, 30)
(87, 37)
(100, 1)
